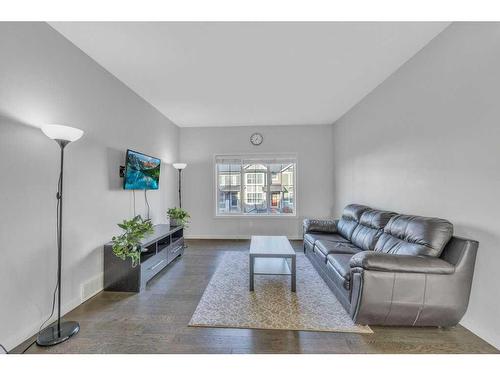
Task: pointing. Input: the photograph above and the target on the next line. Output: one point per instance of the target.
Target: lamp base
(51, 336)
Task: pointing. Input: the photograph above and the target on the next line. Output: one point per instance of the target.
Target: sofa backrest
(415, 235)
(370, 228)
(350, 219)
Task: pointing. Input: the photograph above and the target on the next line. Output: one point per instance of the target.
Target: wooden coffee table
(272, 255)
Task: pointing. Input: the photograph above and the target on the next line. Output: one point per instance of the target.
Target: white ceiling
(230, 74)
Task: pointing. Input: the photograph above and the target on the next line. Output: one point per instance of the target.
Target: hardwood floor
(155, 321)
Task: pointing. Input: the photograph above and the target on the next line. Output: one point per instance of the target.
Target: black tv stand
(157, 251)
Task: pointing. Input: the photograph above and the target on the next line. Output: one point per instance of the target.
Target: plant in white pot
(178, 217)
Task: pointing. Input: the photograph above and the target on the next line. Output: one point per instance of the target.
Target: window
(255, 178)
(226, 180)
(255, 186)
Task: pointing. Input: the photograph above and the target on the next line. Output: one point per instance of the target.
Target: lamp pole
(180, 167)
(180, 179)
(62, 144)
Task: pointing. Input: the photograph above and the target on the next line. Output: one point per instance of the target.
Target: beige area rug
(227, 302)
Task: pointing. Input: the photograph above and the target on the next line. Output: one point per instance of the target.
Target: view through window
(255, 186)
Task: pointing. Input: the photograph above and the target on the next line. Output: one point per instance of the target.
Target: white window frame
(257, 158)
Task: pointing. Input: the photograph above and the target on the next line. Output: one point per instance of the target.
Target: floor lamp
(59, 331)
(180, 167)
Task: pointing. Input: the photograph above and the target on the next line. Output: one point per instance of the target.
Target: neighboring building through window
(268, 186)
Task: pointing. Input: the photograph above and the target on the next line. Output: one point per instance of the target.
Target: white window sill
(261, 216)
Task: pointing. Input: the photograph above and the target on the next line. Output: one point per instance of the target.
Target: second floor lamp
(180, 167)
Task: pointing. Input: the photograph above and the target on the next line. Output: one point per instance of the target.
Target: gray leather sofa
(392, 269)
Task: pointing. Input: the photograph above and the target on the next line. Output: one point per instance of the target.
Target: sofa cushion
(415, 235)
(370, 228)
(375, 261)
(350, 219)
(315, 236)
(329, 247)
(341, 264)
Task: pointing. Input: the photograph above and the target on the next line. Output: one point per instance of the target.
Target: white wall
(46, 79)
(427, 141)
(312, 144)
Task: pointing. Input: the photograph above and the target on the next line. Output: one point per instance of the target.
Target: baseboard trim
(33, 329)
(228, 237)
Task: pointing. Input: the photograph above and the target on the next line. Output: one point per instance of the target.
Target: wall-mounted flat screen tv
(142, 172)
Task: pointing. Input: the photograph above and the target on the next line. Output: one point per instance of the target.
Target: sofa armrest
(375, 261)
(320, 225)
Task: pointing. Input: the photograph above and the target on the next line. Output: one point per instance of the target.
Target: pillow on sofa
(370, 228)
(415, 235)
(350, 219)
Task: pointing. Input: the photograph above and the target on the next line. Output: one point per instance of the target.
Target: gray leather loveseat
(392, 269)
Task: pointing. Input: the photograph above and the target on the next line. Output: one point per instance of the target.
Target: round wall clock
(256, 139)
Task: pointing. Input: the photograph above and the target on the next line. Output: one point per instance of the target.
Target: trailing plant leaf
(180, 215)
(127, 245)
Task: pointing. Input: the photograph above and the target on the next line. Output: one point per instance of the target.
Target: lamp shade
(62, 132)
(179, 165)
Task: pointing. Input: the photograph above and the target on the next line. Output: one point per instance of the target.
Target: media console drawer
(176, 249)
(153, 266)
(159, 250)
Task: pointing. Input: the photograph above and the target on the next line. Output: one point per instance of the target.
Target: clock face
(256, 139)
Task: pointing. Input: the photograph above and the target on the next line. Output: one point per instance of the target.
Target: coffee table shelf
(272, 266)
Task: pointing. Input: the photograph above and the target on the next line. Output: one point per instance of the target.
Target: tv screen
(142, 172)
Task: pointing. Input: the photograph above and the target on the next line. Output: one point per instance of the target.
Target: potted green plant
(178, 217)
(127, 245)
